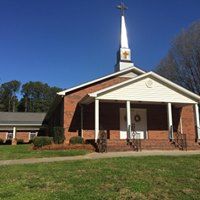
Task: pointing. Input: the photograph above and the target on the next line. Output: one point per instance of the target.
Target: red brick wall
(188, 122)
(3, 135)
(108, 120)
(23, 135)
(157, 135)
(72, 109)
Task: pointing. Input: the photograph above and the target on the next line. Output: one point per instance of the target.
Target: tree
(182, 63)
(8, 95)
(2, 105)
(37, 97)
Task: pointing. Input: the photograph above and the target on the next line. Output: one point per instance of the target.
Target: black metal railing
(9, 136)
(180, 140)
(197, 134)
(134, 139)
(102, 141)
(171, 131)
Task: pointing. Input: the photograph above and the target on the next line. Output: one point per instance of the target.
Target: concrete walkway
(92, 156)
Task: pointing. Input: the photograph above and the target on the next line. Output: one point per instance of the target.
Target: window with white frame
(32, 134)
(9, 135)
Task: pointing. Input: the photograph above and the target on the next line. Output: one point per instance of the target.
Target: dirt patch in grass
(9, 152)
(88, 147)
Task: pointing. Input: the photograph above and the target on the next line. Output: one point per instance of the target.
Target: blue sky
(65, 42)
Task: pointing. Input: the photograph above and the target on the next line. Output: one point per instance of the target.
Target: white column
(14, 132)
(170, 122)
(96, 119)
(128, 117)
(181, 124)
(196, 107)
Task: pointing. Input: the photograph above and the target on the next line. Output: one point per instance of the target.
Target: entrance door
(139, 121)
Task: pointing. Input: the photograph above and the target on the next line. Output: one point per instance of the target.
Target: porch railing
(134, 139)
(171, 131)
(102, 141)
(180, 141)
(9, 136)
(197, 134)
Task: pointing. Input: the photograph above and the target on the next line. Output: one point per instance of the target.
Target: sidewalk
(95, 155)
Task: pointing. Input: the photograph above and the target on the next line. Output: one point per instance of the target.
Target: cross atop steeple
(122, 7)
(124, 53)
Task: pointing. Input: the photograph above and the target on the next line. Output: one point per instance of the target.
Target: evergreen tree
(37, 97)
(8, 95)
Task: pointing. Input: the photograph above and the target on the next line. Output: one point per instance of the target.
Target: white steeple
(124, 53)
(124, 37)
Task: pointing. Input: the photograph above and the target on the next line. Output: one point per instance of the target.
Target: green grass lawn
(8, 152)
(153, 177)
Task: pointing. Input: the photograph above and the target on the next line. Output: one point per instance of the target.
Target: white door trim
(123, 122)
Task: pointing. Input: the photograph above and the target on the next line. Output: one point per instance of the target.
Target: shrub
(76, 140)
(30, 141)
(42, 141)
(20, 141)
(58, 135)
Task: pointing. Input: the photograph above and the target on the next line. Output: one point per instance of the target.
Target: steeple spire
(124, 37)
(124, 53)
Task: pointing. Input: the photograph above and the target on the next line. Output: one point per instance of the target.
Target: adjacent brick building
(20, 126)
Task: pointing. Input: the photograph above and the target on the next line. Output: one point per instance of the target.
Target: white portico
(147, 88)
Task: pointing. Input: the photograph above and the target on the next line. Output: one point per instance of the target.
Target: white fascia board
(176, 86)
(100, 79)
(95, 94)
(151, 74)
(20, 124)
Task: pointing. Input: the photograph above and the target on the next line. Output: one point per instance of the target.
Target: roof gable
(147, 87)
(120, 73)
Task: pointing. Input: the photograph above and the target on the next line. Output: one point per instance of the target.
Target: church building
(136, 109)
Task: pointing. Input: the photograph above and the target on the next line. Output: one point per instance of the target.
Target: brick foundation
(149, 144)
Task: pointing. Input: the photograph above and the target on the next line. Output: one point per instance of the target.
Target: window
(9, 135)
(32, 134)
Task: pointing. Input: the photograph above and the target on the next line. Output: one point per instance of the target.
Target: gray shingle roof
(27, 118)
